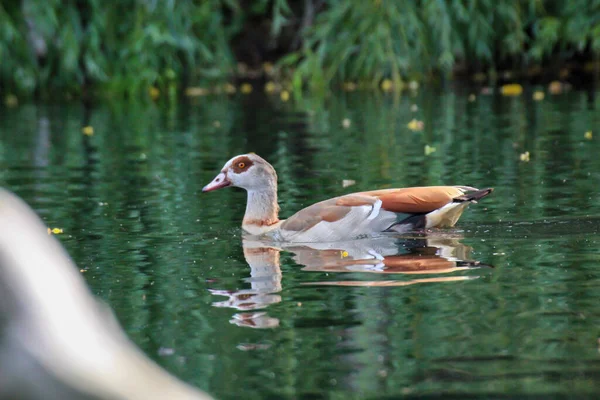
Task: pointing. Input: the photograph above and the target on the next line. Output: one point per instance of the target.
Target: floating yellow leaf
(472, 97)
(511, 89)
(346, 123)
(524, 157)
(55, 231)
(415, 125)
(11, 101)
(153, 92)
(246, 88)
(88, 130)
(538, 95)
(588, 135)
(429, 149)
(349, 86)
(556, 87)
(196, 91)
(285, 95)
(387, 85)
(344, 254)
(229, 88)
(270, 87)
(268, 68)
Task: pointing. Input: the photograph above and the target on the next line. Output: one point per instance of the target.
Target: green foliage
(366, 40)
(567, 25)
(66, 47)
(123, 47)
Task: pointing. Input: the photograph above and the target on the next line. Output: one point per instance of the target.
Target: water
(518, 317)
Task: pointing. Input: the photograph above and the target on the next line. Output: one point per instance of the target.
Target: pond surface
(505, 304)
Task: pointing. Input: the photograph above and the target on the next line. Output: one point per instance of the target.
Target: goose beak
(219, 182)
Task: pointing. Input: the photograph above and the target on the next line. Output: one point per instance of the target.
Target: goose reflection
(388, 255)
(437, 254)
(265, 282)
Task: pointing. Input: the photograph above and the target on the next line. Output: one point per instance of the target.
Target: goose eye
(241, 165)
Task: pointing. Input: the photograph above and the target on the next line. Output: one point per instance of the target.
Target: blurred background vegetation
(71, 48)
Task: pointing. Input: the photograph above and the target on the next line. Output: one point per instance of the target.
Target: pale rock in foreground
(56, 340)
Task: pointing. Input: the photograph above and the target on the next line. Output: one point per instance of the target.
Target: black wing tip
(474, 195)
(473, 264)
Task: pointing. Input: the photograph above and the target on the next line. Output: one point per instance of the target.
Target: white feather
(447, 216)
(376, 255)
(354, 224)
(375, 210)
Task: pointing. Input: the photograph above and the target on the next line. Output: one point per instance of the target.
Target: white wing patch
(446, 216)
(375, 210)
(361, 220)
(376, 255)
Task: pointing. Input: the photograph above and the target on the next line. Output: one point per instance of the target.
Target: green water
(301, 323)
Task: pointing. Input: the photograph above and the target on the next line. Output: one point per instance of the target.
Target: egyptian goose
(345, 217)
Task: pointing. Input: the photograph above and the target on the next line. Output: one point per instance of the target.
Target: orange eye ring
(241, 165)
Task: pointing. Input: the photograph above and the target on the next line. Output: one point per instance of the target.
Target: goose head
(247, 171)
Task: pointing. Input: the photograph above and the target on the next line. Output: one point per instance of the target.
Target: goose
(355, 215)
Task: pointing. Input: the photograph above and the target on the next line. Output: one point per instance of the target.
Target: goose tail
(473, 195)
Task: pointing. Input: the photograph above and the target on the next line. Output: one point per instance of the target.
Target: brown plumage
(416, 199)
